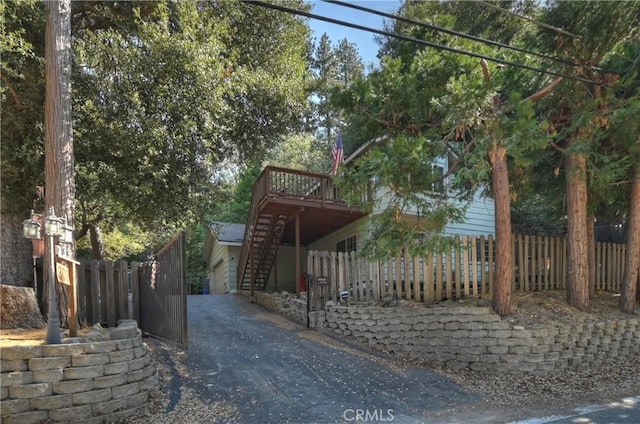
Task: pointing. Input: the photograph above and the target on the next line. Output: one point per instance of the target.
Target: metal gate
(163, 293)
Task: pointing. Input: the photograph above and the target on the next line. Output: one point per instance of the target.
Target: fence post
(111, 295)
(135, 291)
(81, 291)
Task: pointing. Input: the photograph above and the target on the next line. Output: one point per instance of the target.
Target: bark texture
(59, 166)
(591, 236)
(97, 243)
(577, 240)
(632, 269)
(503, 273)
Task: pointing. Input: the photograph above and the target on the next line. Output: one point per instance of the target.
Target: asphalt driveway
(275, 371)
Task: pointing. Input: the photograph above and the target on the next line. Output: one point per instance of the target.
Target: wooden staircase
(279, 196)
(264, 236)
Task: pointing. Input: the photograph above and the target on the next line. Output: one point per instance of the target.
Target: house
(292, 212)
(222, 248)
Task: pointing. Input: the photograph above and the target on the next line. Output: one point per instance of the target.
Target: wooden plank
(81, 276)
(417, 295)
(347, 276)
(525, 265)
(552, 263)
(483, 266)
(397, 282)
(389, 282)
(439, 276)
(362, 287)
(406, 276)
(375, 280)
(111, 295)
(334, 293)
(429, 292)
(135, 291)
(513, 263)
(599, 267)
(610, 273)
(102, 279)
(545, 263)
(449, 274)
(475, 278)
(491, 262)
(465, 278)
(539, 264)
(73, 300)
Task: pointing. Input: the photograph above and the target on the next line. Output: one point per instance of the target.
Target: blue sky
(367, 46)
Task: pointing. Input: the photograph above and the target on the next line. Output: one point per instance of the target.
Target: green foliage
(196, 270)
(334, 67)
(401, 179)
(123, 243)
(164, 93)
(22, 96)
(301, 151)
(236, 208)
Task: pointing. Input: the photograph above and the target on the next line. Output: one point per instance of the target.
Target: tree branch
(546, 90)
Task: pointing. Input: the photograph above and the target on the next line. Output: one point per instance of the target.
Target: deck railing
(296, 184)
(274, 182)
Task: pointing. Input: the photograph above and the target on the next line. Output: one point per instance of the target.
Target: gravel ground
(601, 383)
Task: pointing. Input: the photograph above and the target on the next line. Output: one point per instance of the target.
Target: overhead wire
(542, 24)
(446, 30)
(415, 40)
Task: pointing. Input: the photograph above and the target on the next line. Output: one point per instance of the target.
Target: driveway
(272, 370)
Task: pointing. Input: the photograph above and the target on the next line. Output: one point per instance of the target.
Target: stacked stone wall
(94, 382)
(478, 339)
(468, 336)
(285, 304)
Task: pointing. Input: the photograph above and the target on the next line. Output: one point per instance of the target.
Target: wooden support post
(298, 270)
(252, 274)
(71, 280)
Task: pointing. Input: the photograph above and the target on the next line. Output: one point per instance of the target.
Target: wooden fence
(107, 291)
(465, 269)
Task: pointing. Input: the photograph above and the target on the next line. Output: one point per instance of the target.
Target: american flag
(338, 155)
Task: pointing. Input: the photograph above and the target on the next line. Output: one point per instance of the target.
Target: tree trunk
(503, 256)
(632, 268)
(59, 172)
(97, 243)
(577, 240)
(591, 234)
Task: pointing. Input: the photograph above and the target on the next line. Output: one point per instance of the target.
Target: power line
(542, 24)
(415, 40)
(446, 30)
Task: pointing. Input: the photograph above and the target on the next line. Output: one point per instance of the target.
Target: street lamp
(32, 230)
(53, 227)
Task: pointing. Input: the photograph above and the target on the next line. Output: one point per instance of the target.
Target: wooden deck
(281, 191)
(288, 207)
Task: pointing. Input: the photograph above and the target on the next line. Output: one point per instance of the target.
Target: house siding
(223, 268)
(233, 253)
(478, 221)
(283, 274)
(329, 242)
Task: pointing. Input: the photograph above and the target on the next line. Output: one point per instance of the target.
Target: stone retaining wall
(468, 336)
(285, 304)
(478, 339)
(92, 382)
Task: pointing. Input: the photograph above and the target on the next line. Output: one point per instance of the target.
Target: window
(438, 173)
(347, 245)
